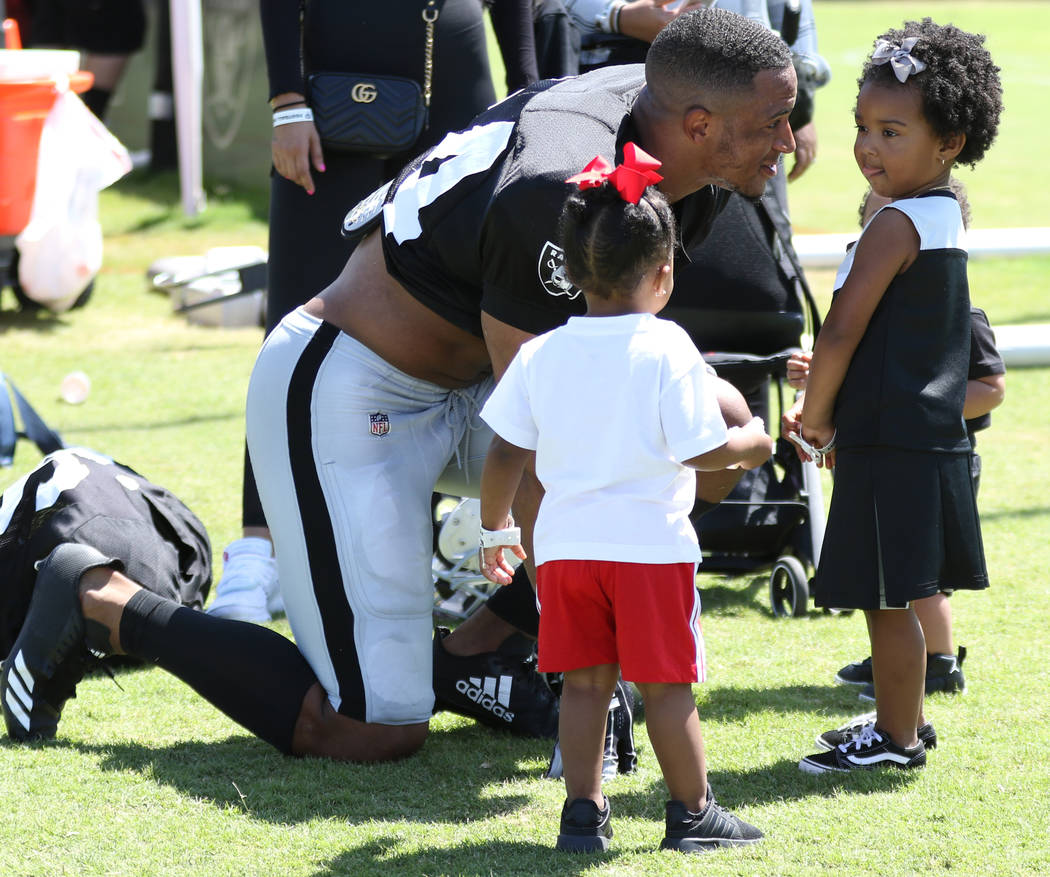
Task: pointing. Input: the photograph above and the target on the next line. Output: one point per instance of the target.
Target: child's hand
(791, 420)
(761, 448)
(494, 565)
(798, 369)
(821, 437)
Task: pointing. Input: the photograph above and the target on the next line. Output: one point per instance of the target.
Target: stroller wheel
(788, 587)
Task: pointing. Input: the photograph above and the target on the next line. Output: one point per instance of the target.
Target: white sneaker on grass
(248, 589)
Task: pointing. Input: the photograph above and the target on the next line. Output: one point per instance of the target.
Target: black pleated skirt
(903, 525)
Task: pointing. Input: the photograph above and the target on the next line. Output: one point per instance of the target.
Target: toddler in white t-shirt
(619, 409)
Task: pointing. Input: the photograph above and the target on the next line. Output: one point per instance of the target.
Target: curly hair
(960, 88)
(713, 49)
(610, 243)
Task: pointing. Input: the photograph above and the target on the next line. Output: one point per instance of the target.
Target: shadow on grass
(727, 704)
(466, 859)
(40, 320)
(780, 781)
(242, 772)
(731, 594)
(288, 790)
(125, 426)
(736, 791)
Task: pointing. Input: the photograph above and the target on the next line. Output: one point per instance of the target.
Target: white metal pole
(187, 61)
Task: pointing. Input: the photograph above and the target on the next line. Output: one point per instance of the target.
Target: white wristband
(286, 117)
(607, 21)
(497, 538)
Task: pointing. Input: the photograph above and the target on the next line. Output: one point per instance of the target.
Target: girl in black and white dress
(884, 401)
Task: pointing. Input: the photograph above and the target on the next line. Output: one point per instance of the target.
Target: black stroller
(774, 518)
(749, 293)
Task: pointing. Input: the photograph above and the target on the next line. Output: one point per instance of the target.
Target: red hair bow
(630, 178)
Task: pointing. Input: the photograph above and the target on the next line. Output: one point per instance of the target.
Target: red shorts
(643, 616)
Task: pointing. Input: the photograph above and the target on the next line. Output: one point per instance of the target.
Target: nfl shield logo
(379, 423)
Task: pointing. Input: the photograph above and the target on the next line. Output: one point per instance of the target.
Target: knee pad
(71, 560)
(68, 563)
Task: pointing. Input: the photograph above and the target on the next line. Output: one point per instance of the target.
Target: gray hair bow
(899, 57)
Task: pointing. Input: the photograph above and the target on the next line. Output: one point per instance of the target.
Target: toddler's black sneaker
(943, 673)
(709, 829)
(50, 655)
(497, 689)
(584, 827)
(857, 673)
(868, 750)
(852, 728)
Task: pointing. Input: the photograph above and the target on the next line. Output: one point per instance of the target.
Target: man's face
(754, 132)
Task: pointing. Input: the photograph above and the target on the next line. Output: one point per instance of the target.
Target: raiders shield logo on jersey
(552, 272)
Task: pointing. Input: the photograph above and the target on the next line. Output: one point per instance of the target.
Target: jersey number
(461, 154)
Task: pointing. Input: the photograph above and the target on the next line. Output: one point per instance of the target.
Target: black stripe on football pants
(337, 617)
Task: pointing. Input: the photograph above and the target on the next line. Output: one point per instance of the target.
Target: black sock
(516, 604)
(253, 674)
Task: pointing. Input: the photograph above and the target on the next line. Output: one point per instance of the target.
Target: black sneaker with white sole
(943, 674)
(868, 750)
(50, 655)
(499, 690)
(857, 673)
(709, 829)
(619, 755)
(845, 733)
(585, 828)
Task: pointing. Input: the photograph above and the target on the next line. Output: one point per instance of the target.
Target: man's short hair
(712, 50)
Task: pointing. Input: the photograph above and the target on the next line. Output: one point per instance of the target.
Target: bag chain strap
(430, 15)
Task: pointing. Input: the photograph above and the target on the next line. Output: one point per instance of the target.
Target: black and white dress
(903, 522)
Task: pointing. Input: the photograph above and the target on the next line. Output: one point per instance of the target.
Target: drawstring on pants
(460, 409)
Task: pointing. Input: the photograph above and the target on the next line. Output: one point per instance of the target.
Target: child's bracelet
(500, 538)
(287, 117)
(816, 453)
(830, 446)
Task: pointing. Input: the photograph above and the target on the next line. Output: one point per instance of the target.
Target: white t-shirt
(611, 405)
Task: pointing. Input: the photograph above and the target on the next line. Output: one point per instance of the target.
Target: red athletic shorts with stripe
(643, 616)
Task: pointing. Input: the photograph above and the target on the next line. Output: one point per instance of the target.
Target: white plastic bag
(60, 250)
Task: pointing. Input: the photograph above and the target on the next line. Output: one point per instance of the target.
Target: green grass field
(148, 779)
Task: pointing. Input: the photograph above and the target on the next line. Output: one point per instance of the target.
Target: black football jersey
(76, 495)
(471, 224)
